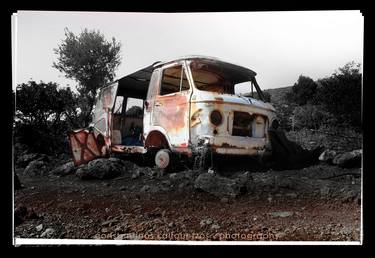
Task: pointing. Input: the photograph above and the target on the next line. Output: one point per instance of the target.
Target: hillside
(277, 95)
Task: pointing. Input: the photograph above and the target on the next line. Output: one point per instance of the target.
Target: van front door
(94, 142)
(172, 105)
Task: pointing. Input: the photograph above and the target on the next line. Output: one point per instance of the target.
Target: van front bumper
(236, 145)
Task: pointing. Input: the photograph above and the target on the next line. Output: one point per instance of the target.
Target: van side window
(174, 80)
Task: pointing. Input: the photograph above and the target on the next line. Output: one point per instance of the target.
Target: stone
(215, 227)
(221, 186)
(25, 159)
(149, 189)
(205, 222)
(39, 227)
(109, 222)
(136, 174)
(224, 200)
(48, 233)
(327, 156)
(282, 214)
(100, 169)
(35, 168)
(349, 159)
(65, 169)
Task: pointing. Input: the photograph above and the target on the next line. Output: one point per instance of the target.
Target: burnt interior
(242, 124)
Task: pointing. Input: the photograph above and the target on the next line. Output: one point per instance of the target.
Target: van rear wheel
(164, 159)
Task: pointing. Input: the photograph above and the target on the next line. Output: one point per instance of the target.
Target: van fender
(157, 138)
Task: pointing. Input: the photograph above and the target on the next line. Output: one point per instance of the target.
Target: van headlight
(216, 117)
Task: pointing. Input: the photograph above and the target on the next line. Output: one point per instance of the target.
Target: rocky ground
(320, 202)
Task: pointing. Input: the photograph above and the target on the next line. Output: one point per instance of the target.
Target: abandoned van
(188, 109)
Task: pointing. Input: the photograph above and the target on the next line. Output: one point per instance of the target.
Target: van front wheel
(163, 159)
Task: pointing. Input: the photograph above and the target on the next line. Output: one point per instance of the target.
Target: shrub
(340, 94)
(311, 117)
(302, 91)
(43, 115)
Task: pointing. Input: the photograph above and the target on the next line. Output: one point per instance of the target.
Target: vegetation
(340, 94)
(334, 101)
(44, 112)
(89, 59)
(302, 91)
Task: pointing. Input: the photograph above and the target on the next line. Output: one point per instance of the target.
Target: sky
(278, 46)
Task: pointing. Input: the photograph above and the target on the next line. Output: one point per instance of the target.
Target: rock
(280, 235)
(221, 186)
(327, 156)
(325, 191)
(25, 159)
(224, 200)
(65, 169)
(36, 167)
(282, 214)
(349, 159)
(48, 233)
(39, 227)
(136, 174)
(205, 222)
(149, 189)
(101, 169)
(215, 226)
(109, 222)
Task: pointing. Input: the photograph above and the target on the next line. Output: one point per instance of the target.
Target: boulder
(349, 159)
(48, 233)
(25, 158)
(222, 186)
(327, 156)
(36, 167)
(101, 169)
(149, 189)
(65, 169)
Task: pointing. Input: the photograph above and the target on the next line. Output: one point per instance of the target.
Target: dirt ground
(321, 202)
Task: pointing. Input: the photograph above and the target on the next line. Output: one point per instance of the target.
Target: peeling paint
(180, 121)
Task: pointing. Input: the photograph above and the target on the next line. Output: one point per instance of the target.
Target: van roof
(137, 82)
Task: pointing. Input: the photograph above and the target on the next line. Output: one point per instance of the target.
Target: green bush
(340, 94)
(310, 117)
(43, 115)
(302, 91)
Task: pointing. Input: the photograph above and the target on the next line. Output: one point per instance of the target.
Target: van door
(94, 142)
(172, 105)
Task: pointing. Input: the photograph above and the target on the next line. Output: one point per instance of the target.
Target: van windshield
(224, 78)
(208, 77)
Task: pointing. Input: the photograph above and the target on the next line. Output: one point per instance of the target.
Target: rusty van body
(188, 110)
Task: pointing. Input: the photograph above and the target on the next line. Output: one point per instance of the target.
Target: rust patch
(170, 112)
(156, 140)
(226, 145)
(84, 146)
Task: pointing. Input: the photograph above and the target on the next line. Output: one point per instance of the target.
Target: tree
(89, 59)
(302, 91)
(43, 115)
(340, 94)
